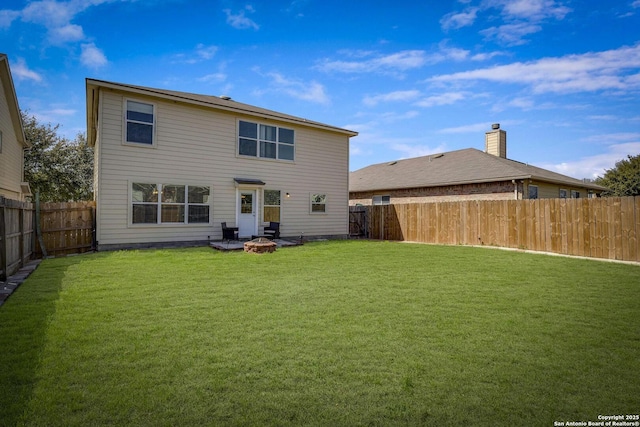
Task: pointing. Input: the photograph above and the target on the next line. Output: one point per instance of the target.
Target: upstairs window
(139, 122)
(265, 141)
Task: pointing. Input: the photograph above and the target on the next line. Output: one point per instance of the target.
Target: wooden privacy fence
(16, 235)
(66, 228)
(600, 228)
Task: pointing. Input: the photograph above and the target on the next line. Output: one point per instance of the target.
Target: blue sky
(562, 77)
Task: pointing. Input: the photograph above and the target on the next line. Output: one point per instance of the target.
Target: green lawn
(333, 334)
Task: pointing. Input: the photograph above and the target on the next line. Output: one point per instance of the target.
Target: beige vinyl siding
(199, 146)
(11, 157)
(552, 191)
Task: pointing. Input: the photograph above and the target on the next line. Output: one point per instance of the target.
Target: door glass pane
(246, 206)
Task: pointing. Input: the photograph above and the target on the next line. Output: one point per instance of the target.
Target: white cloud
(594, 166)
(206, 52)
(92, 56)
(200, 53)
(458, 20)
(447, 98)
(520, 18)
(511, 34)
(635, 4)
(409, 151)
(486, 56)
(391, 63)
(306, 91)
(397, 96)
(239, 20)
(65, 34)
(213, 78)
(531, 9)
(472, 128)
(22, 72)
(7, 17)
(571, 73)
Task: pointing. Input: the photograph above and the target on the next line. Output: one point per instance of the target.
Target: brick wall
(503, 190)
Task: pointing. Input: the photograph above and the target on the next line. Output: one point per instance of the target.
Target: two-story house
(172, 166)
(12, 139)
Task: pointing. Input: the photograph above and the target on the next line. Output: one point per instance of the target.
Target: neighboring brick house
(467, 174)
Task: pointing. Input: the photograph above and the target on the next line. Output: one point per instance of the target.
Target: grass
(335, 333)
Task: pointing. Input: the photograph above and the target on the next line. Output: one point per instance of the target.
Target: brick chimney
(495, 141)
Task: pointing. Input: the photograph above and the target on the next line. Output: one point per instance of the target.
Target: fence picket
(598, 228)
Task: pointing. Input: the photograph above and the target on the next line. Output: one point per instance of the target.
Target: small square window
(533, 191)
(139, 122)
(318, 203)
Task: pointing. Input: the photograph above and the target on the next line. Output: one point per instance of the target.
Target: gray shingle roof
(221, 103)
(466, 166)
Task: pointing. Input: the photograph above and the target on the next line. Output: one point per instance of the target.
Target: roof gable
(465, 166)
(12, 100)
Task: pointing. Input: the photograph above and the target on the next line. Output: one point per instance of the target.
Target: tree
(59, 169)
(624, 179)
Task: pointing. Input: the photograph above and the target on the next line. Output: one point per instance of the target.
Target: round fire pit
(259, 246)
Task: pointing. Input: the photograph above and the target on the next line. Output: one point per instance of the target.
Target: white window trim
(159, 184)
(326, 202)
(125, 120)
(257, 156)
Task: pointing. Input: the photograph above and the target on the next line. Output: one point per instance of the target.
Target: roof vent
(392, 163)
(225, 97)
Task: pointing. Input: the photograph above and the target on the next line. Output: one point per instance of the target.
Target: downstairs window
(170, 204)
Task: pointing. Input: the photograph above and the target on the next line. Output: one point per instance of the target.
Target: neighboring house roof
(466, 166)
(215, 102)
(12, 99)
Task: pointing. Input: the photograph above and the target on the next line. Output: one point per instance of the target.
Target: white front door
(247, 213)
